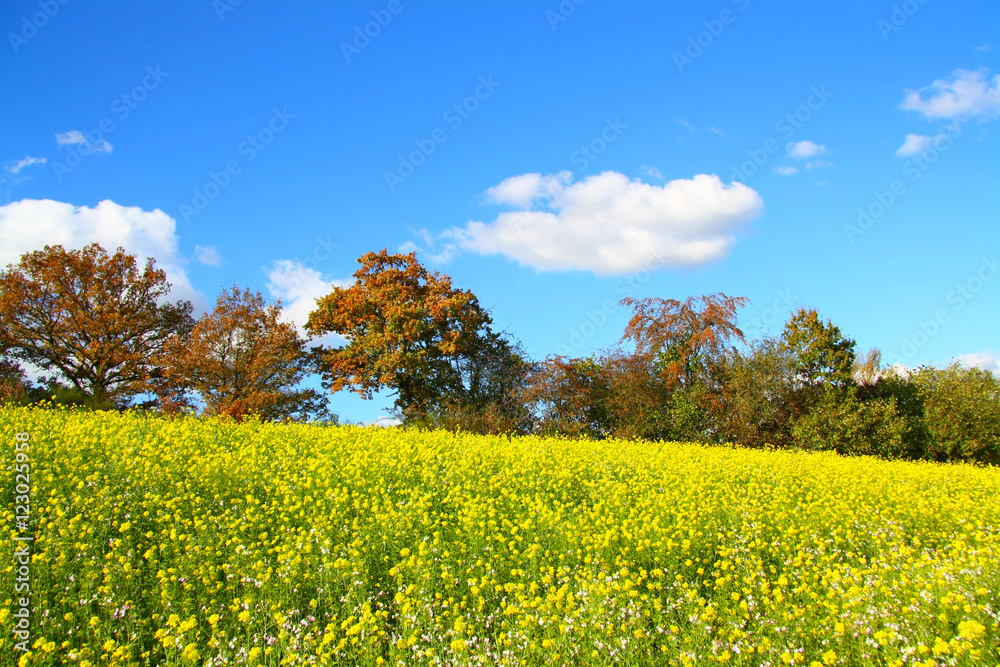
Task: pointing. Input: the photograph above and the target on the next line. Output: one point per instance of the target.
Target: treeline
(681, 371)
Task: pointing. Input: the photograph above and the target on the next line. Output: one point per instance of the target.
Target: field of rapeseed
(198, 542)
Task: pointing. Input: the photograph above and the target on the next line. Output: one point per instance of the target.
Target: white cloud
(785, 170)
(984, 48)
(26, 162)
(522, 191)
(988, 361)
(31, 224)
(715, 130)
(208, 255)
(918, 143)
(963, 96)
(686, 125)
(653, 172)
(801, 150)
(609, 224)
(77, 138)
(818, 164)
(299, 287)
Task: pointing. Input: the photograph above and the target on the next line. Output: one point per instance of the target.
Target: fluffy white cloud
(31, 224)
(522, 191)
(26, 162)
(208, 255)
(918, 143)
(299, 287)
(802, 150)
(785, 170)
(963, 96)
(609, 224)
(78, 138)
(988, 361)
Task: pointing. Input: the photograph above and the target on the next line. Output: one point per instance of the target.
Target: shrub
(961, 413)
(843, 423)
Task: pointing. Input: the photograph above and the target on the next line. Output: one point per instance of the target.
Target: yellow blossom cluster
(203, 542)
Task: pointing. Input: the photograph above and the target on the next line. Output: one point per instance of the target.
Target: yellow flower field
(198, 542)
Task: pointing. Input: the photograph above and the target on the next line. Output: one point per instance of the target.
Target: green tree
(758, 405)
(849, 426)
(876, 383)
(821, 355)
(961, 413)
(491, 396)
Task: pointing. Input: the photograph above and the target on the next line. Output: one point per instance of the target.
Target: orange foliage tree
(95, 319)
(685, 343)
(685, 340)
(409, 330)
(241, 359)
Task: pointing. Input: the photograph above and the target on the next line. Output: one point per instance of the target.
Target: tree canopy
(95, 319)
(410, 331)
(241, 359)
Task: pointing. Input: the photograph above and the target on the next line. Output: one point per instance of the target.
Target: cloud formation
(208, 255)
(965, 95)
(803, 150)
(917, 143)
(299, 287)
(26, 162)
(31, 224)
(609, 224)
(78, 138)
(988, 361)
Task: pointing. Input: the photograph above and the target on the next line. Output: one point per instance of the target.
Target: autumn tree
(569, 396)
(12, 380)
(408, 330)
(686, 343)
(687, 340)
(95, 319)
(242, 359)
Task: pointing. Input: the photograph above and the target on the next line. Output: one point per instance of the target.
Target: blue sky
(552, 157)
